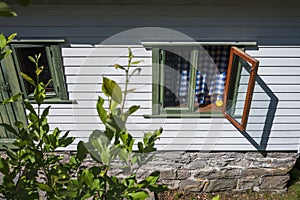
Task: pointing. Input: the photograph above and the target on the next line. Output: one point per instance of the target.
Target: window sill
(54, 101)
(186, 115)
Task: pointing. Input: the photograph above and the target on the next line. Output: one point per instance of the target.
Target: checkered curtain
(210, 75)
(176, 76)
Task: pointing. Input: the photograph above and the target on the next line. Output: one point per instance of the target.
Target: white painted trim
(38, 41)
(164, 44)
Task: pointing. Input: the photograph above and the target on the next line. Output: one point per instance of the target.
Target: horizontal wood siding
(274, 122)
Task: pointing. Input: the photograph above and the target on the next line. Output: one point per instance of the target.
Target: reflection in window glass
(239, 79)
(176, 78)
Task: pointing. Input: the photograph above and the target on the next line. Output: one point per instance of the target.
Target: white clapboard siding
(190, 127)
(105, 52)
(93, 112)
(98, 79)
(96, 41)
(105, 70)
(270, 52)
(102, 61)
(93, 119)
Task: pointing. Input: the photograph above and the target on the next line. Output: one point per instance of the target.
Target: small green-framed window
(189, 80)
(52, 62)
(202, 81)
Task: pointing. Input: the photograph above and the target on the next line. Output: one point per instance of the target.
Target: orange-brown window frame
(253, 72)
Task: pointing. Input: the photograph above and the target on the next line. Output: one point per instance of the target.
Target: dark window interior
(28, 67)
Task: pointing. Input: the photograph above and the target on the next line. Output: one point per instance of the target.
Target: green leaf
(10, 129)
(4, 168)
(129, 91)
(111, 89)
(87, 177)
(130, 55)
(139, 195)
(2, 41)
(140, 147)
(37, 56)
(216, 197)
(81, 151)
(29, 107)
(44, 187)
(19, 124)
(11, 99)
(101, 111)
(153, 177)
(10, 153)
(28, 79)
(11, 37)
(64, 140)
(32, 59)
(137, 62)
(99, 140)
(123, 154)
(39, 93)
(117, 66)
(132, 109)
(50, 80)
(105, 157)
(39, 70)
(158, 188)
(33, 117)
(46, 112)
(5, 53)
(6, 10)
(113, 105)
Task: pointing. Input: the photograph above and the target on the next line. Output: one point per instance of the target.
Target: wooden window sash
(8, 75)
(228, 88)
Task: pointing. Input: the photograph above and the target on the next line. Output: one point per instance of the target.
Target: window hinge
(51, 53)
(160, 56)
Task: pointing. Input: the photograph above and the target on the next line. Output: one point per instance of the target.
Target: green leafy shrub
(34, 169)
(33, 165)
(115, 142)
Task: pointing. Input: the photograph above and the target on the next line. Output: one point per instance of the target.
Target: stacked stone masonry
(223, 171)
(216, 171)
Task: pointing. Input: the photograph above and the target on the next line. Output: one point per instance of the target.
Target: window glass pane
(28, 67)
(176, 78)
(239, 78)
(210, 78)
(198, 89)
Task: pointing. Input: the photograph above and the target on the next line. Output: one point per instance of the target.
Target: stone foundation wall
(223, 171)
(217, 171)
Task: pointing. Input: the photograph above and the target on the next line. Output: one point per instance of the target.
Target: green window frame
(52, 52)
(231, 90)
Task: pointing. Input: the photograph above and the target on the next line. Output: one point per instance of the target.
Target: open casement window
(242, 70)
(53, 70)
(202, 81)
